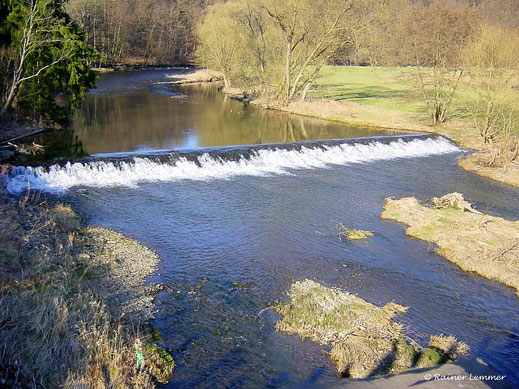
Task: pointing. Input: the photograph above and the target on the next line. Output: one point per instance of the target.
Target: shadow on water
(59, 145)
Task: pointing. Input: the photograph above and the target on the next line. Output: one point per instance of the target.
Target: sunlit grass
(381, 87)
(386, 87)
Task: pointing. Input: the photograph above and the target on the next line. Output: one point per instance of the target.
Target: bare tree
(144, 31)
(377, 37)
(222, 44)
(436, 35)
(492, 60)
(312, 32)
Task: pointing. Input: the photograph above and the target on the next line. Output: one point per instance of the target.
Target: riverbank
(377, 98)
(75, 303)
(478, 163)
(14, 127)
(478, 243)
(196, 76)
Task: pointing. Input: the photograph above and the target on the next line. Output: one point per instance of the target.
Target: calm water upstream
(235, 226)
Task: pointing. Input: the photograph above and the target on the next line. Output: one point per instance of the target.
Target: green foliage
(159, 362)
(51, 72)
(155, 333)
(429, 357)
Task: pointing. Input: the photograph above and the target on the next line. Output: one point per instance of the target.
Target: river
(240, 202)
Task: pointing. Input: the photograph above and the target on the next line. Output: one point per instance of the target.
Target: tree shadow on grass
(341, 92)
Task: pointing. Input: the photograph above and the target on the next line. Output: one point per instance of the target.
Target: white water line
(262, 162)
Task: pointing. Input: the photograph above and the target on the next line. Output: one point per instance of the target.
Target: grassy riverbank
(379, 97)
(376, 97)
(485, 245)
(382, 97)
(74, 301)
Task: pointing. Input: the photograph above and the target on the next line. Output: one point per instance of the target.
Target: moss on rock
(155, 333)
(159, 362)
(405, 356)
(429, 357)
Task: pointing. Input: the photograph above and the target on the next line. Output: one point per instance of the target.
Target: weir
(131, 169)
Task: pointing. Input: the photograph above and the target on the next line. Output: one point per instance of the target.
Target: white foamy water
(262, 163)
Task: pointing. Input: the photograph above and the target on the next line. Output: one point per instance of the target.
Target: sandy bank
(476, 163)
(102, 70)
(74, 301)
(483, 244)
(195, 76)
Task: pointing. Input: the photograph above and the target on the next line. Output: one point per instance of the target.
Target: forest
(164, 31)
(51, 50)
(234, 36)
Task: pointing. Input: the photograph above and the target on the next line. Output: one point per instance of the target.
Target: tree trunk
(226, 81)
(305, 91)
(287, 72)
(8, 101)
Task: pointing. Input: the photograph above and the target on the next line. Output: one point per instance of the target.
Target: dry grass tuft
(453, 200)
(65, 218)
(448, 346)
(361, 356)
(351, 234)
(110, 358)
(486, 245)
(365, 339)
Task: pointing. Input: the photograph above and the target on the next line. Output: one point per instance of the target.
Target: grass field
(381, 87)
(387, 88)
(383, 97)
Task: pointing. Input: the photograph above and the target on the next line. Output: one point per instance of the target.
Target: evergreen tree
(49, 72)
